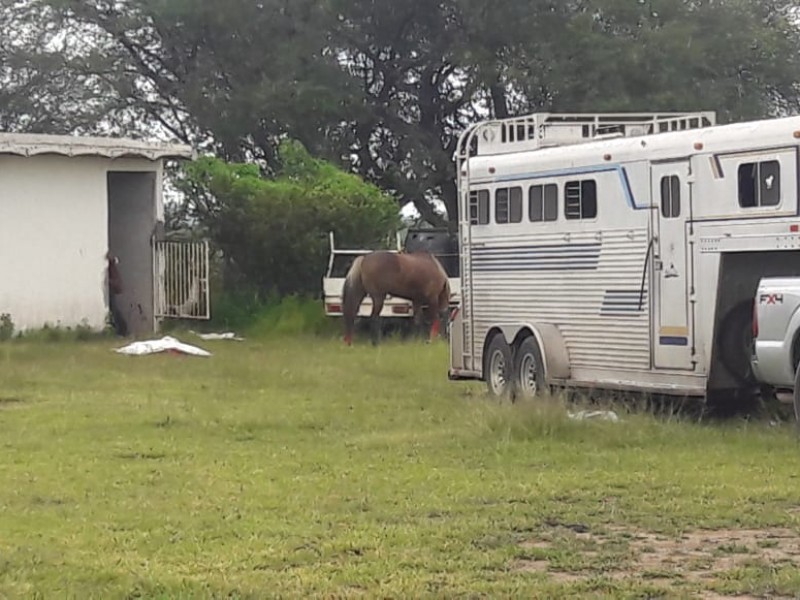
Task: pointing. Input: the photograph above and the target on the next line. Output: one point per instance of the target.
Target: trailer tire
(733, 342)
(498, 368)
(529, 373)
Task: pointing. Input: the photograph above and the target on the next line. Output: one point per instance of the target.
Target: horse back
(410, 275)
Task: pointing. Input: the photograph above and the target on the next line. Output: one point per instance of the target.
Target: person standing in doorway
(114, 290)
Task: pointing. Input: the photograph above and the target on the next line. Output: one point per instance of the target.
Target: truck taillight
(755, 319)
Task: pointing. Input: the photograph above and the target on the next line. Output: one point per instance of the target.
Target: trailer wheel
(498, 368)
(734, 340)
(529, 370)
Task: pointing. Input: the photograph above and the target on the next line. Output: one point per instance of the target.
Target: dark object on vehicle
(439, 242)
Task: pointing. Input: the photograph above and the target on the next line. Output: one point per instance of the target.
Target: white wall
(54, 236)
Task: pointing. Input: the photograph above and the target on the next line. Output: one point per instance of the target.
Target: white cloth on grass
(163, 345)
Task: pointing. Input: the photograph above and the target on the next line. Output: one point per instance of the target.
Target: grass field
(295, 467)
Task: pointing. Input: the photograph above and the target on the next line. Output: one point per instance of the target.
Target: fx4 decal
(770, 299)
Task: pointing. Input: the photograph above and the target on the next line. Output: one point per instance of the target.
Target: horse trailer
(620, 251)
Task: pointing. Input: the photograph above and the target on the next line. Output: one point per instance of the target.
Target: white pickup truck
(776, 336)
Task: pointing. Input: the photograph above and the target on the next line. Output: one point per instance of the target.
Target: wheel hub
(497, 372)
(528, 375)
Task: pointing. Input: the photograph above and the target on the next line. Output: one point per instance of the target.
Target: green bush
(273, 232)
(293, 315)
(237, 309)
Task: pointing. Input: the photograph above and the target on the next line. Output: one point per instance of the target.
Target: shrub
(273, 232)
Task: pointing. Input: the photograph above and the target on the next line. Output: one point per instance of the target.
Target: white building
(64, 203)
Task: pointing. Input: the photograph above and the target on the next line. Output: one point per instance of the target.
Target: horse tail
(352, 294)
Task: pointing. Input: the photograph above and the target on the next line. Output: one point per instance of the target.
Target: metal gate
(181, 280)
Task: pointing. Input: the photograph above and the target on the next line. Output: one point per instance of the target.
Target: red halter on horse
(418, 277)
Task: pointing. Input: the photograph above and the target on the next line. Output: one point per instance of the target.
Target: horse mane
(355, 271)
(446, 288)
(352, 285)
(352, 295)
(439, 266)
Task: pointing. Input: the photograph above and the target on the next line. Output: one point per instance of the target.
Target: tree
(738, 57)
(44, 86)
(384, 88)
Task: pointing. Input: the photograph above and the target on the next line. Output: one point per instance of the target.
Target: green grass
(295, 467)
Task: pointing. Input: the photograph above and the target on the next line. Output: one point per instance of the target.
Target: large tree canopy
(383, 86)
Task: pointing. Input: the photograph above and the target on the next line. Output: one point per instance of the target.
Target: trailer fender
(551, 343)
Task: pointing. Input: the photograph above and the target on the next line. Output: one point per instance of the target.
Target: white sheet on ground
(604, 415)
(228, 335)
(165, 344)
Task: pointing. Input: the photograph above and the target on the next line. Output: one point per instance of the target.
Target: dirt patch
(696, 557)
(141, 455)
(709, 552)
(10, 401)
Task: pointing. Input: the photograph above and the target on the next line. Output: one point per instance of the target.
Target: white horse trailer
(620, 252)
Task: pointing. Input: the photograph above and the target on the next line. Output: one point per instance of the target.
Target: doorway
(131, 221)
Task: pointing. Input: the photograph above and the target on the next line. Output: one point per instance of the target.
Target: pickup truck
(776, 336)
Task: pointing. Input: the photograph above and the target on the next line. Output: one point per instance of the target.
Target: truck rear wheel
(529, 370)
(498, 368)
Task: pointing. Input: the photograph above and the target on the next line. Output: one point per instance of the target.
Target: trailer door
(671, 321)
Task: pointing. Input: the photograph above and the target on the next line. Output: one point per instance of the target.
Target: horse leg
(352, 303)
(435, 326)
(440, 309)
(419, 317)
(375, 318)
(435, 316)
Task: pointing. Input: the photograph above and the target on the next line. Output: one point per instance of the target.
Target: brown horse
(418, 277)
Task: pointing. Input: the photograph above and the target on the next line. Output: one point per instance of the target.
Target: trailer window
(508, 205)
(670, 196)
(479, 207)
(759, 184)
(543, 202)
(580, 199)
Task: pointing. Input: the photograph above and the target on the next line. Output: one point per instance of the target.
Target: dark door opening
(131, 221)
